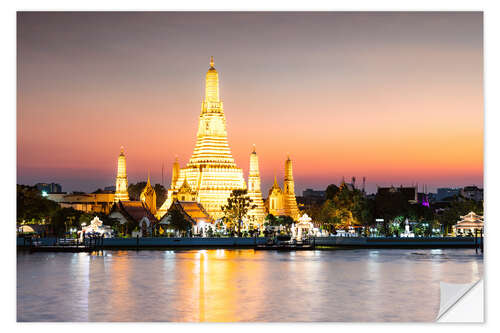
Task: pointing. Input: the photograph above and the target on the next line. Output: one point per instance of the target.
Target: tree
(388, 205)
(134, 190)
(459, 207)
(237, 207)
(161, 194)
(179, 222)
(286, 220)
(32, 207)
(314, 211)
(64, 219)
(345, 207)
(331, 191)
(270, 220)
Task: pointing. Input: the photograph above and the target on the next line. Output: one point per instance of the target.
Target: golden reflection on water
(210, 284)
(120, 285)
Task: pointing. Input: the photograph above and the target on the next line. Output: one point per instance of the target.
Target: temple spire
(212, 86)
(211, 172)
(258, 211)
(148, 196)
(121, 187)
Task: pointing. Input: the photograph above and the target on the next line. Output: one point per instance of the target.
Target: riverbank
(250, 242)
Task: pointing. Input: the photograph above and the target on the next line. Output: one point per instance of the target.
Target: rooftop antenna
(364, 181)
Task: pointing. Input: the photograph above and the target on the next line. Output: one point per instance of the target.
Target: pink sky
(397, 97)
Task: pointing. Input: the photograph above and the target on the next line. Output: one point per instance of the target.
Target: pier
(142, 243)
(89, 244)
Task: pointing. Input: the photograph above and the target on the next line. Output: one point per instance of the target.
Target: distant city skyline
(394, 97)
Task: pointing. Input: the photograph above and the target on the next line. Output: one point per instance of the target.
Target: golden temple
(211, 174)
(283, 202)
(148, 196)
(121, 189)
(258, 213)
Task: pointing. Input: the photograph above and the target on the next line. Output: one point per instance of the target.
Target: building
(311, 198)
(33, 228)
(291, 208)
(258, 213)
(423, 199)
(192, 212)
(85, 202)
(275, 204)
(410, 193)
(47, 188)
(134, 214)
(472, 193)
(283, 202)
(121, 188)
(446, 192)
(469, 224)
(211, 174)
(148, 197)
(310, 193)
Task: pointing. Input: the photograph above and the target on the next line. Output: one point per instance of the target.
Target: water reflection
(239, 285)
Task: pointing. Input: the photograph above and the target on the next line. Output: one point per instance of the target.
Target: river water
(240, 285)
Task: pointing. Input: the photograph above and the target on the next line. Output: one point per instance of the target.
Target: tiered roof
(193, 211)
(134, 210)
(470, 220)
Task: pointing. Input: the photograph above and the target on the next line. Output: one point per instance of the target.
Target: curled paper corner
(461, 302)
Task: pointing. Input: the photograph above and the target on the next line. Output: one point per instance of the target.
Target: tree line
(346, 207)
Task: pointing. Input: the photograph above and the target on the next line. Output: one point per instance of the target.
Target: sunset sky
(395, 97)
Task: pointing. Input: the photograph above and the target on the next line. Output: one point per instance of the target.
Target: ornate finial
(149, 183)
(254, 149)
(275, 181)
(211, 61)
(121, 150)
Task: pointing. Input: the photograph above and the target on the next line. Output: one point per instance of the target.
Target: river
(357, 285)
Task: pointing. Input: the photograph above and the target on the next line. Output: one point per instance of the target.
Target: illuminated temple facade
(211, 174)
(148, 197)
(121, 188)
(283, 202)
(258, 212)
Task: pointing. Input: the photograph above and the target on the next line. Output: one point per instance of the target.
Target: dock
(90, 244)
(285, 247)
(53, 244)
(286, 243)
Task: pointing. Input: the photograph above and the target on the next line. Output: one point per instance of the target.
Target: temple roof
(275, 187)
(148, 189)
(192, 210)
(471, 218)
(134, 210)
